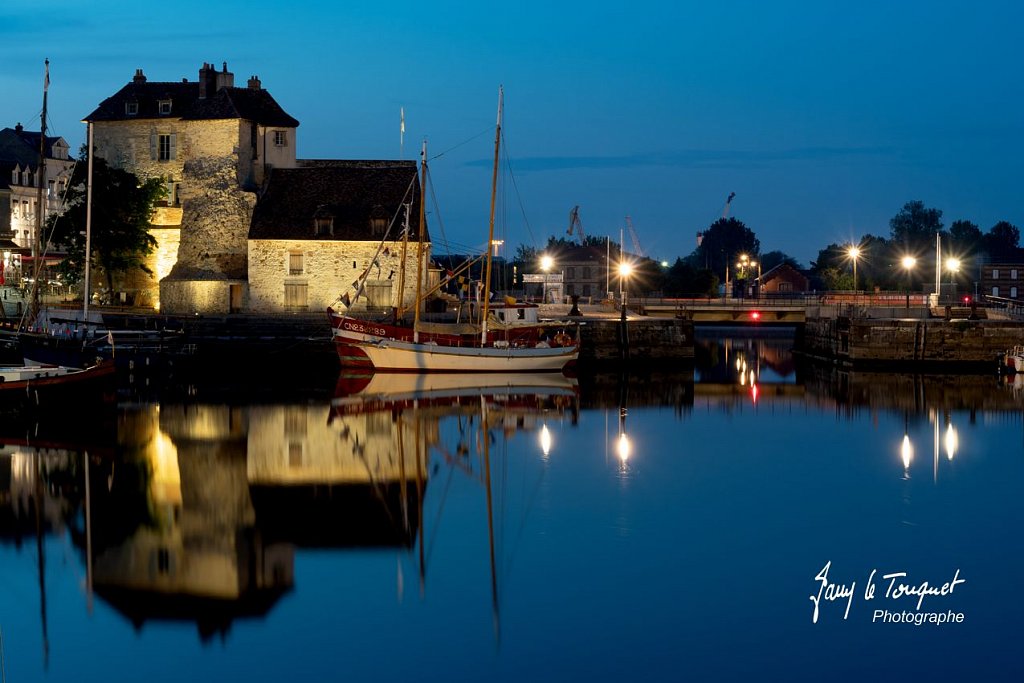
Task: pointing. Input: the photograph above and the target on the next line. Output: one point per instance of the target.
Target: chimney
(139, 77)
(225, 79)
(207, 81)
(18, 128)
(254, 83)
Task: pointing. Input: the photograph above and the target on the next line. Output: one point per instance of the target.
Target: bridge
(784, 310)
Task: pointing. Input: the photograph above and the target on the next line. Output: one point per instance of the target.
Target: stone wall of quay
(871, 341)
(661, 339)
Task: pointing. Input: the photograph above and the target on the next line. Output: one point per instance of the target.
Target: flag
(46, 79)
(346, 300)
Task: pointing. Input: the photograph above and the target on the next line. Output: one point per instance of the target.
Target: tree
(966, 237)
(122, 208)
(722, 244)
(915, 224)
(771, 259)
(682, 278)
(1001, 241)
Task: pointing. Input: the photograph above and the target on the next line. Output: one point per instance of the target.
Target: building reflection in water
(196, 512)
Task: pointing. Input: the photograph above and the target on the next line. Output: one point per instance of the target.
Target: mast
(490, 231)
(37, 244)
(400, 309)
(88, 226)
(419, 245)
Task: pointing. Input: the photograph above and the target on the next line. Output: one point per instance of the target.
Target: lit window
(295, 263)
(131, 108)
(165, 107)
(280, 138)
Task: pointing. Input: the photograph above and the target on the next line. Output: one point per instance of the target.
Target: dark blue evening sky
(823, 120)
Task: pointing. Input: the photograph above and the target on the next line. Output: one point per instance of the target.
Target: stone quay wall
(868, 341)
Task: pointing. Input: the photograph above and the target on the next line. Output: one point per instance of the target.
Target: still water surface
(669, 526)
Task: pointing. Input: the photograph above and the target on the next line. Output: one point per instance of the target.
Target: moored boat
(507, 338)
(56, 386)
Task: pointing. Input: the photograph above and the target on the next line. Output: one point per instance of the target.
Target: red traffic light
(755, 315)
(967, 299)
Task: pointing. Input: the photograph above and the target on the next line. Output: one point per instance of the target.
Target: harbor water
(746, 517)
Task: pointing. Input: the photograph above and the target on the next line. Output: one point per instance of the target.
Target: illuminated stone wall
(327, 270)
(299, 444)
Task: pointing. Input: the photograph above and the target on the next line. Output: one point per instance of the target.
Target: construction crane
(633, 237)
(728, 201)
(576, 224)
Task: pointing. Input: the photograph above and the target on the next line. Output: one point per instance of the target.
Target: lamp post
(625, 269)
(854, 254)
(546, 262)
(953, 266)
(908, 264)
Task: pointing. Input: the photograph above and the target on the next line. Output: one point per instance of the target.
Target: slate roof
(20, 148)
(350, 192)
(227, 103)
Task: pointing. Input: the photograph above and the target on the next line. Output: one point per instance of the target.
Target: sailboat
(508, 338)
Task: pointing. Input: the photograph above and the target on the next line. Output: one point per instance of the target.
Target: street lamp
(546, 262)
(625, 269)
(854, 254)
(545, 441)
(908, 264)
(953, 266)
(741, 268)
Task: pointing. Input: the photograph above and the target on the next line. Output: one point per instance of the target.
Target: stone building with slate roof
(318, 227)
(214, 145)
(19, 182)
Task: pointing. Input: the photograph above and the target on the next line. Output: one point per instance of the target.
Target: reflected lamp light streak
(906, 452)
(545, 440)
(623, 447)
(952, 441)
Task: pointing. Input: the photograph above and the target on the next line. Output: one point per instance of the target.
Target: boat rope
(464, 142)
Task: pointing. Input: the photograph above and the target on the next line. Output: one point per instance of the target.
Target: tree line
(880, 259)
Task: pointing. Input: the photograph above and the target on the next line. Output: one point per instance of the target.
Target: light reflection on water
(556, 529)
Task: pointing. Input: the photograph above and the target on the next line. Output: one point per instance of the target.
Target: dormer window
(324, 226)
(164, 107)
(378, 225)
(131, 108)
(14, 176)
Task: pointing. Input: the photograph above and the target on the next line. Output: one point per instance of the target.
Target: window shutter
(174, 145)
(152, 146)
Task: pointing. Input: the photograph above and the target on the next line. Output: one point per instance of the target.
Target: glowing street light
(854, 253)
(546, 263)
(953, 266)
(625, 270)
(908, 263)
